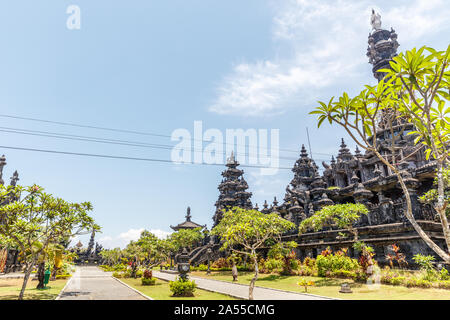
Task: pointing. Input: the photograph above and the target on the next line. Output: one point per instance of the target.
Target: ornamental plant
(305, 283)
(366, 260)
(331, 263)
(182, 288)
(147, 278)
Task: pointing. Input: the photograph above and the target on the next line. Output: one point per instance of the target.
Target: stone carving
(375, 20)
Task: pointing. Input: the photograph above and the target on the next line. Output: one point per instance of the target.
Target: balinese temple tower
(354, 177)
(233, 190)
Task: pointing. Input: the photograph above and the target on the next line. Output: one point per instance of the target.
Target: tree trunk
(441, 205)
(252, 283)
(409, 215)
(53, 275)
(445, 256)
(41, 275)
(25, 279)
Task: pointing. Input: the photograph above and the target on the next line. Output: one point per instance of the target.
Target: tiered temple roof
(233, 190)
(188, 224)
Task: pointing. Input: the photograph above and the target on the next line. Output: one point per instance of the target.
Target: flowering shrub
(148, 274)
(307, 271)
(310, 262)
(305, 283)
(220, 263)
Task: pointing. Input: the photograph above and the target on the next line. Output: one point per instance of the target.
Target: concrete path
(91, 283)
(241, 290)
(15, 275)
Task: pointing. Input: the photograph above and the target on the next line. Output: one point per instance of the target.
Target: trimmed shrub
(202, 267)
(139, 273)
(273, 264)
(345, 274)
(148, 281)
(396, 281)
(117, 275)
(62, 276)
(444, 274)
(182, 288)
(360, 276)
(335, 262)
(444, 284)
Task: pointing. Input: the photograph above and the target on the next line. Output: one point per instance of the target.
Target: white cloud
(131, 235)
(327, 41)
(264, 187)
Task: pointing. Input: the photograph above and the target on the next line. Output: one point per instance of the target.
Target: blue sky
(156, 66)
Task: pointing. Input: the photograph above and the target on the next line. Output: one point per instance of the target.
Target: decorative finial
(375, 20)
(303, 152)
(275, 202)
(14, 178)
(188, 214)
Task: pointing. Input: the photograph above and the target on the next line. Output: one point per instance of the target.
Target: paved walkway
(91, 283)
(15, 275)
(241, 290)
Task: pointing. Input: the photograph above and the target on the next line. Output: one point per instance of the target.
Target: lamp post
(208, 252)
(183, 264)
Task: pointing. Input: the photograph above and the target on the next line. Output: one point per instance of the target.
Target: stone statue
(375, 20)
(234, 271)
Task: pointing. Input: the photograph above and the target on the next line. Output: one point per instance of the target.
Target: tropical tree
(135, 255)
(284, 251)
(412, 94)
(186, 238)
(156, 250)
(33, 220)
(111, 256)
(245, 231)
(339, 215)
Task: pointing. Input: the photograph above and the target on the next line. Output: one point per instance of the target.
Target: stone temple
(354, 177)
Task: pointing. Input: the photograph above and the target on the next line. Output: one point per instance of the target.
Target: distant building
(188, 224)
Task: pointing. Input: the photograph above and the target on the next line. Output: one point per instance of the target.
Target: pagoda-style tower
(232, 190)
(187, 224)
(382, 46)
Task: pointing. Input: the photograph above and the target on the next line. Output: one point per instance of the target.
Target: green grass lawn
(161, 291)
(330, 287)
(10, 289)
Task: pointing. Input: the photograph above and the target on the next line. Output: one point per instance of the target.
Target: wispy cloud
(131, 235)
(327, 41)
(264, 187)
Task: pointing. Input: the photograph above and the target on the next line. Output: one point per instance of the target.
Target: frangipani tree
(339, 215)
(156, 250)
(245, 231)
(111, 256)
(186, 238)
(413, 93)
(33, 220)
